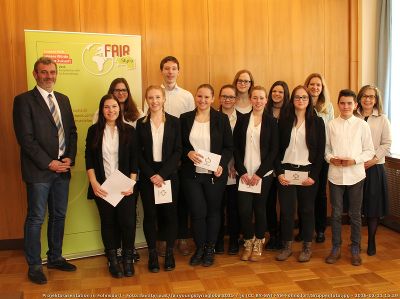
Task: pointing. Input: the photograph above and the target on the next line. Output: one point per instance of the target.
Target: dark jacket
(127, 156)
(37, 134)
(268, 143)
(315, 138)
(171, 147)
(221, 141)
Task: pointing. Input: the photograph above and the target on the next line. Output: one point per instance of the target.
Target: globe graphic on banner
(95, 60)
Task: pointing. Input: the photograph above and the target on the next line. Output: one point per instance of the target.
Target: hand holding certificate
(115, 184)
(163, 194)
(248, 188)
(210, 161)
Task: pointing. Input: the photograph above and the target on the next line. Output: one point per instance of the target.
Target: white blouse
(158, 136)
(252, 156)
(297, 151)
(110, 150)
(199, 138)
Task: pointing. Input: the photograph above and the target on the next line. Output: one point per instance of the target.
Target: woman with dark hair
(323, 108)
(375, 200)
(111, 145)
(301, 150)
(204, 129)
(227, 99)
(278, 97)
(160, 149)
(243, 83)
(256, 145)
(130, 112)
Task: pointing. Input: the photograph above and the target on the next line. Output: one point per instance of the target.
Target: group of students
(262, 138)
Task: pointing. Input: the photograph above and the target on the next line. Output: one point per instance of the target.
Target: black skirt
(375, 201)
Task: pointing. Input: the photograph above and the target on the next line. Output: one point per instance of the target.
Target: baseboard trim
(11, 244)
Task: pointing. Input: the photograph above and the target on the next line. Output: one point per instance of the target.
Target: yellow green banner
(87, 63)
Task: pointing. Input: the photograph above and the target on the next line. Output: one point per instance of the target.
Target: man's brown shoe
(333, 256)
(355, 256)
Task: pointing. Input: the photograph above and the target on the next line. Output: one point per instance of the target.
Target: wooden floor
(378, 276)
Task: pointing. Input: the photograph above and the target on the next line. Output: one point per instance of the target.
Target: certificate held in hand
(296, 177)
(116, 183)
(163, 194)
(252, 189)
(210, 160)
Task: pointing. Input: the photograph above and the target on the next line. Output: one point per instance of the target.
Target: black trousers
(272, 217)
(118, 223)
(203, 194)
(254, 204)
(160, 214)
(230, 208)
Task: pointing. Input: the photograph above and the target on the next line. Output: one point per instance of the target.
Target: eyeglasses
(225, 97)
(120, 90)
(303, 98)
(371, 97)
(245, 82)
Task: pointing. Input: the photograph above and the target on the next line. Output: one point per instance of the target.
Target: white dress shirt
(252, 155)
(45, 95)
(328, 116)
(158, 135)
(350, 139)
(177, 101)
(380, 132)
(297, 151)
(110, 149)
(199, 138)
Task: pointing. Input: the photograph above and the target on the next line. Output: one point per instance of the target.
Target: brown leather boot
(306, 253)
(183, 247)
(285, 252)
(333, 256)
(355, 255)
(257, 250)
(247, 249)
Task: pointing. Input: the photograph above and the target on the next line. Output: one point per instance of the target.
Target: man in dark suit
(45, 129)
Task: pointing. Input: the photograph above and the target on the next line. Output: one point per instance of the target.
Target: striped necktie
(57, 120)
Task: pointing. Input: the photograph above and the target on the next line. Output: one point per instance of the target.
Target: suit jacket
(315, 135)
(268, 143)
(221, 142)
(171, 147)
(37, 134)
(127, 155)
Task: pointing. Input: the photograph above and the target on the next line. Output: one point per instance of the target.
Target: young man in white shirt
(178, 101)
(348, 146)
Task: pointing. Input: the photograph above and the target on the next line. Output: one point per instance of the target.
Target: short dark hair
(44, 60)
(166, 59)
(347, 93)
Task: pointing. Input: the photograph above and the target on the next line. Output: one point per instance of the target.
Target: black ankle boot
(208, 257)
(127, 262)
(153, 261)
(197, 257)
(371, 250)
(113, 265)
(169, 263)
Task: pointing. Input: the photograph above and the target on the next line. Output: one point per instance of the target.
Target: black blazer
(220, 139)
(37, 134)
(315, 140)
(127, 156)
(268, 143)
(171, 147)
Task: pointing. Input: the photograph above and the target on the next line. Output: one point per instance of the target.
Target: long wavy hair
(101, 123)
(323, 99)
(130, 112)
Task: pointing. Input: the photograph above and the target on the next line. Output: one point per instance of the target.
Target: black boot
(197, 257)
(169, 263)
(272, 243)
(153, 261)
(208, 257)
(127, 262)
(113, 265)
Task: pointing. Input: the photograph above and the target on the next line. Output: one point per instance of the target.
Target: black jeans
(118, 223)
(204, 193)
(252, 203)
(160, 214)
